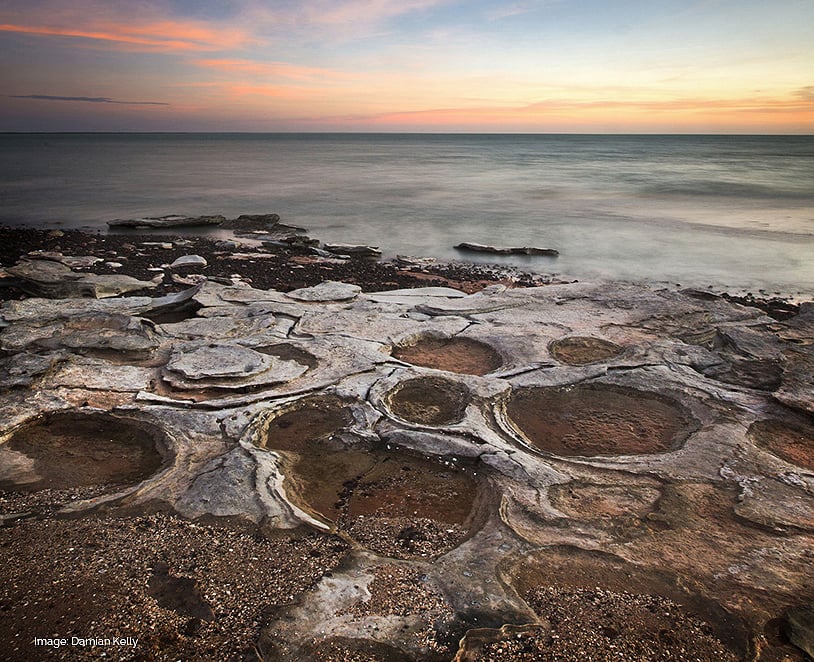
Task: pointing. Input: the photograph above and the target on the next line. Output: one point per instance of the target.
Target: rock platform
(580, 469)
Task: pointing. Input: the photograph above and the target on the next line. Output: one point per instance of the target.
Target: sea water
(731, 212)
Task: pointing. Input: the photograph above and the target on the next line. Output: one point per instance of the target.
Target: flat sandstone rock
(478, 451)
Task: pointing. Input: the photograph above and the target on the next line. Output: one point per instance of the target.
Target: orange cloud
(669, 114)
(157, 36)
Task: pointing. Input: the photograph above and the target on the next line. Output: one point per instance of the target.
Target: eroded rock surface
(476, 453)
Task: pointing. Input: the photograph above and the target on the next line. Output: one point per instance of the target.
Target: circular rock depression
(583, 421)
(70, 449)
(793, 443)
(391, 502)
(429, 401)
(461, 355)
(582, 350)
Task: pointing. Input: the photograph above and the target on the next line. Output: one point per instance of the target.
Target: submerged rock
(496, 250)
(170, 221)
(353, 250)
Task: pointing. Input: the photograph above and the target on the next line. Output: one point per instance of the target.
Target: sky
(519, 66)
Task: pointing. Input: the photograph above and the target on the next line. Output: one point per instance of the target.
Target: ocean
(732, 213)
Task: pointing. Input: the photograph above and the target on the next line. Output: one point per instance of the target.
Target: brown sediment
(591, 420)
(429, 401)
(347, 649)
(401, 590)
(394, 504)
(306, 424)
(407, 506)
(582, 350)
(70, 450)
(605, 626)
(288, 352)
(461, 355)
(792, 442)
(391, 502)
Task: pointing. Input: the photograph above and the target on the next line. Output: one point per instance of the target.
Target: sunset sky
(592, 66)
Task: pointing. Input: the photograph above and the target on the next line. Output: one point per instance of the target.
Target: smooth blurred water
(734, 212)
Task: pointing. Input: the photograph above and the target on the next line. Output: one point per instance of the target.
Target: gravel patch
(183, 589)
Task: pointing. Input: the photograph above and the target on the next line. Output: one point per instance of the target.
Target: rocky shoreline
(283, 268)
(264, 452)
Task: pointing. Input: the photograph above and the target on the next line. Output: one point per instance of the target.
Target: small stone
(189, 261)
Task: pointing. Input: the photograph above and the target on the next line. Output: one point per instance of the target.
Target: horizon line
(409, 133)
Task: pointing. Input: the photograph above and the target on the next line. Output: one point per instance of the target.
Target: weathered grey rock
(775, 505)
(170, 221)
(224, 487)
(496, 250)
(128, 336)
(192, 280)
(217, 360)
(799, 627)
(72, 261)
(421, 295)
(328, 290)
(31, 310)
(22, 369)
(54, 279)
(188, 261)
(326, 257)
(43, 272)
(112, 285)
(97, 374)
(415, 261)
(797, 384)
(252, 222)
(289, 240)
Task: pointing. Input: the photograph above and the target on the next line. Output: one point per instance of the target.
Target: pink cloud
(155, 36)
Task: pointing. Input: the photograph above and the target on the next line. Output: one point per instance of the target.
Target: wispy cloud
(365, 11)
(805, 93)
(517, 9)
(159, 36)
(617, 111)
(51, 97)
